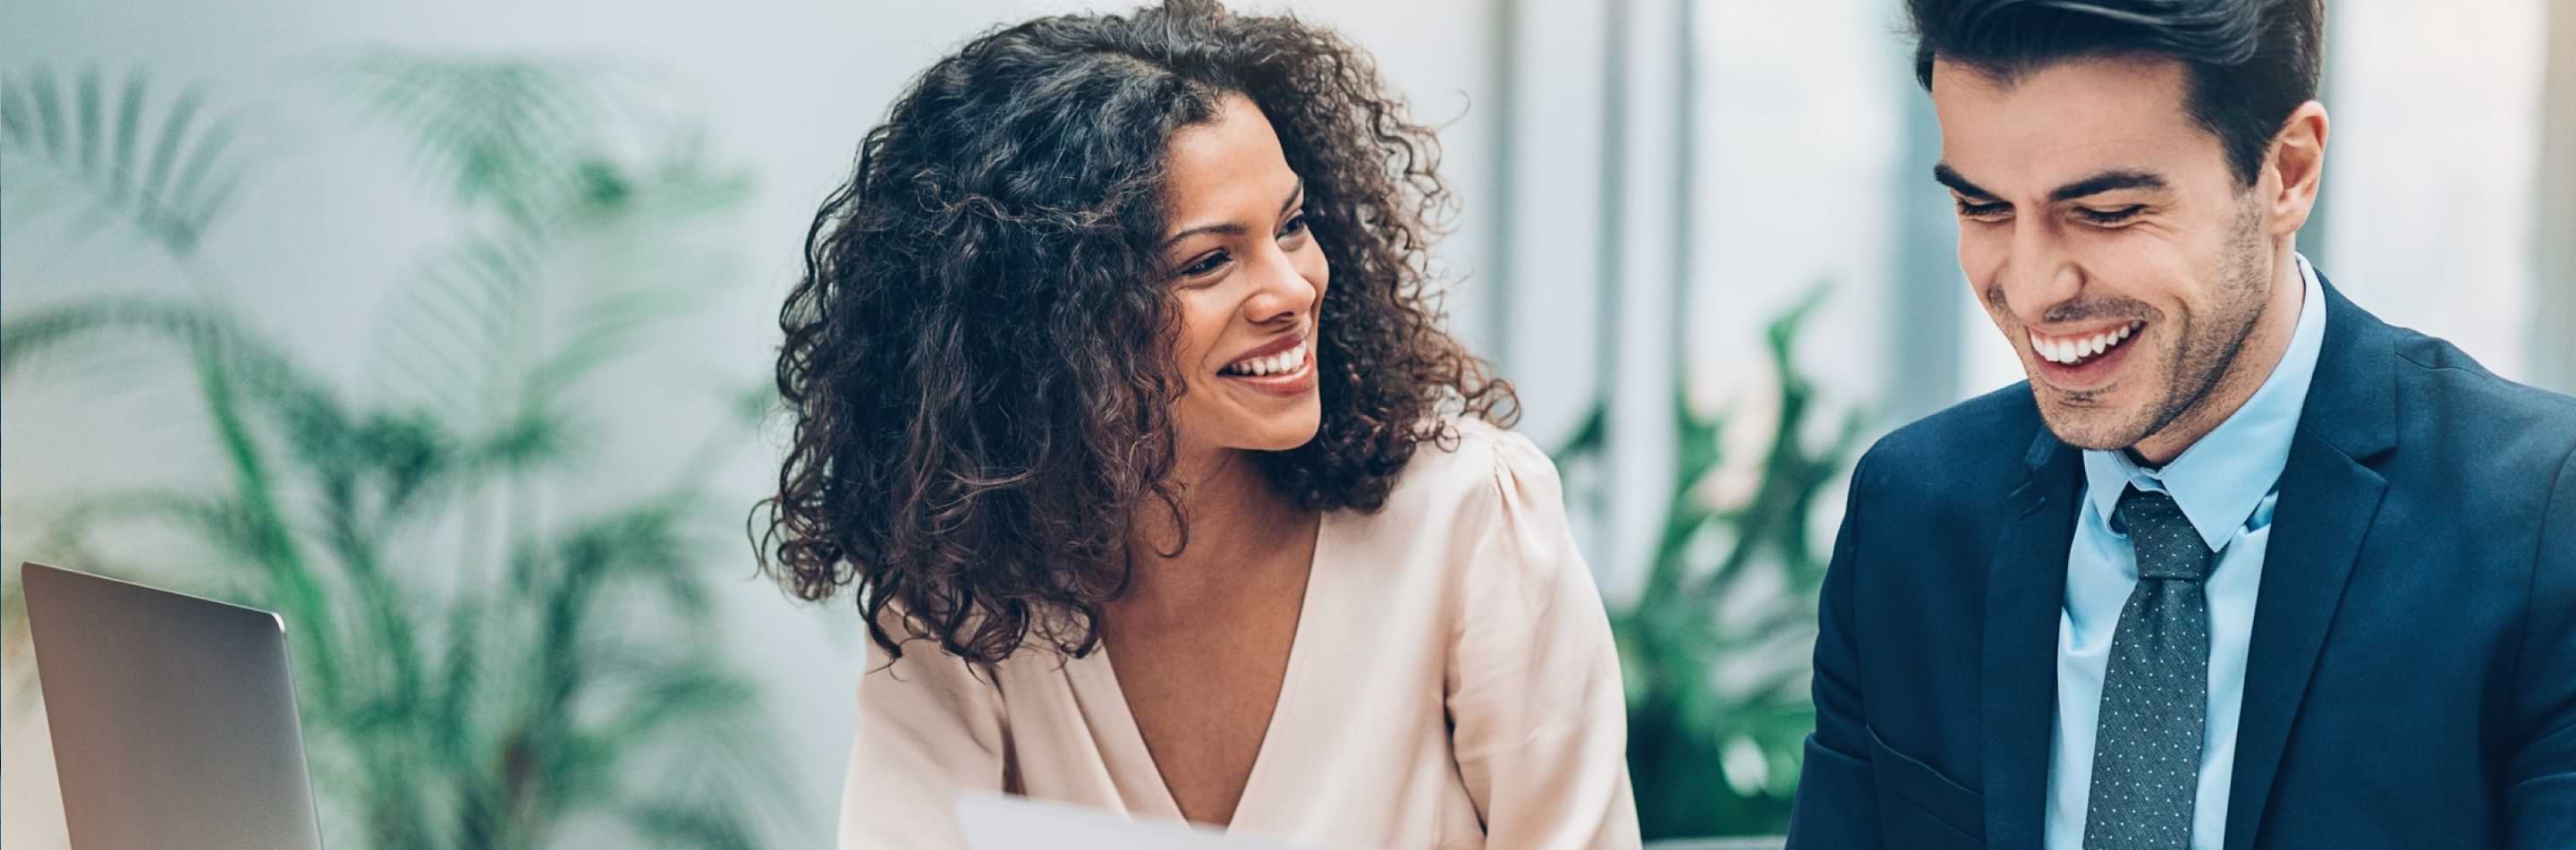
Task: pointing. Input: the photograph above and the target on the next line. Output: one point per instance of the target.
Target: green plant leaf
(499, 134)
(679, 823)
(1683, 716)
(172, 190)
(484, 674)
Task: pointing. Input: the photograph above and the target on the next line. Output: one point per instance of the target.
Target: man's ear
(2298, 159)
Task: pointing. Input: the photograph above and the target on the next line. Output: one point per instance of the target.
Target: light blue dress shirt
(2226, 484)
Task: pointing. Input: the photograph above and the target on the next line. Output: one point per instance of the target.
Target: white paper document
(997, 822)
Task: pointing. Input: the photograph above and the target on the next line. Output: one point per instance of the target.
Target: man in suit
(2240, 565)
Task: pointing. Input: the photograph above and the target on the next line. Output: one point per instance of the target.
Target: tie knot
(2166, 544)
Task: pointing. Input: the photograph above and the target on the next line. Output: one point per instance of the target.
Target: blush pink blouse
(1452, 684)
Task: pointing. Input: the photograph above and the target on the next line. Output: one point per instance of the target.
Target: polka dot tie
(2146, 757)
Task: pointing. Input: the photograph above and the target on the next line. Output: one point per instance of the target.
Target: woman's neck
(1234, 516)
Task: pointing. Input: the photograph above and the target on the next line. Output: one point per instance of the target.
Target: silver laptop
(173, 718)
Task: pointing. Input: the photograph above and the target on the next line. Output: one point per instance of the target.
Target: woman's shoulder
(1479, 516)
(1469, 463)
(920, 661)
(1470, 479)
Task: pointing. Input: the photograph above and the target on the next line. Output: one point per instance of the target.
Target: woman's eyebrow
(1235, 228)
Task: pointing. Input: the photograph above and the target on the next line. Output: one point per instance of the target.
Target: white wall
(2432, 161)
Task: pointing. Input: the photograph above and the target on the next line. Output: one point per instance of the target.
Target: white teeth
(2072, 351)
(1276, 364)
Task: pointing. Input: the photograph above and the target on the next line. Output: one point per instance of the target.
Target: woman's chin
(1287, 432)
(1286, 440)
(1264, 425)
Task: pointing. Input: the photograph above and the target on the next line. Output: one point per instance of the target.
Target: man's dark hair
(2246, 63)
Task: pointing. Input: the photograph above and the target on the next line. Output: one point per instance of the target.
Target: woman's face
(1249, 279)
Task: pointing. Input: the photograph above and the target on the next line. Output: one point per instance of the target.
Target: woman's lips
(1287, 373)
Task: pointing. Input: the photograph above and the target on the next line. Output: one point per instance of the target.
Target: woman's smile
(1284, 367)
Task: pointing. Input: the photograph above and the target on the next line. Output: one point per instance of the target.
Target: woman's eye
(1296, 225)
(2117, 216)
(1204, 266)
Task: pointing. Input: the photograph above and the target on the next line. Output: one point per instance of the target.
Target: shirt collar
(2220, 480)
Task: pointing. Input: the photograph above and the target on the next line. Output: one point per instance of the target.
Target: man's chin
(2088, 424)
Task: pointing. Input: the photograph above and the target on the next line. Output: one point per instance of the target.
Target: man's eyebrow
(2108, 181)
(1948, 176)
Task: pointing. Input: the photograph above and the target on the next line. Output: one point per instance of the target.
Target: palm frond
(695, 824)
(719, 759)
(498, 134)
(678, 695)
(209, 337)
(458, 332)
(24, 338)
(457, 712)
(534, 303)
(172, 188)
(221, 521)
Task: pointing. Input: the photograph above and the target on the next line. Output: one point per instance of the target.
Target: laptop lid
(173, 717)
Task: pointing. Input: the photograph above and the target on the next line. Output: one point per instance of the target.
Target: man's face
(2105, 235)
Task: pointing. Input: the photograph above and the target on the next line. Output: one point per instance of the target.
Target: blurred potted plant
(471, 674)
(1715, 647)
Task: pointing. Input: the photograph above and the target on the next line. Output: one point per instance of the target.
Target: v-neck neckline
(1134, 735)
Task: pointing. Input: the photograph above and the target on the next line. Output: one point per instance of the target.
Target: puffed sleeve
(1537, 715)
(928, 726)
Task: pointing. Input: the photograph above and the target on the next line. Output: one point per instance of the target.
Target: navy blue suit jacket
(2411, 681)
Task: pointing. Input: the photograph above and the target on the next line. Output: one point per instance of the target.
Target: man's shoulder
(2504, 428)
(2458, 422)
(1976, 449)
(2437, 371)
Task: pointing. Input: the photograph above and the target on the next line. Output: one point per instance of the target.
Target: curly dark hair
(978, 358)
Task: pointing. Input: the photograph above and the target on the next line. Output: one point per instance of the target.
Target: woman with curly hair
(1123, 403)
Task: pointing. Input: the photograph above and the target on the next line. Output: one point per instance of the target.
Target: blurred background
(445, 330)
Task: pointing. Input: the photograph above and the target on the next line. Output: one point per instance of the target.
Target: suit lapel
(2025, 589)
(2328, 498)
